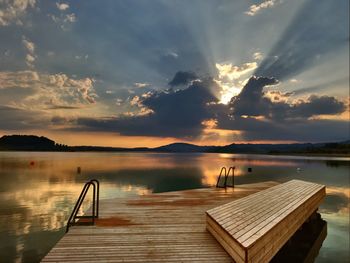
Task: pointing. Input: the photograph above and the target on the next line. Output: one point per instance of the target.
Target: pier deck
(160, 227)
(164, 227)
(254, 228)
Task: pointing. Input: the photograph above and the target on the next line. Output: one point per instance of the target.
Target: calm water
(38, 190)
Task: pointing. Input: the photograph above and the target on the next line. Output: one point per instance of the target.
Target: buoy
(78, 169)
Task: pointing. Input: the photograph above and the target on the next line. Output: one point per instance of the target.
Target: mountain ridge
(36, 143)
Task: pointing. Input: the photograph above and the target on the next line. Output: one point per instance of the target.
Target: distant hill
(341, 148)
(182, 147)
(36, 143)
(26, 143)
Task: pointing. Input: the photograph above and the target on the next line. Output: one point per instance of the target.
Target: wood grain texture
(165, 227)
(254, 228)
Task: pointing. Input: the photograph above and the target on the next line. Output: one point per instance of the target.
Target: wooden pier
(164, 227)
(254, 228)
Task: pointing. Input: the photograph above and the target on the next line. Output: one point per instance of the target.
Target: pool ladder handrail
(226, 173)
(95, 205)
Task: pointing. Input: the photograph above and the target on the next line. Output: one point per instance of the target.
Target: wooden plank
(234, 249)
(165, 227)
(254, 228)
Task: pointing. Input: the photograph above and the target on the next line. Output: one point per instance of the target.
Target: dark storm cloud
(181, 113)
(318, 28)
(182, 78)
(250, 101)
(300, 129)
(318, 106)
(281, 120)
(175, 114)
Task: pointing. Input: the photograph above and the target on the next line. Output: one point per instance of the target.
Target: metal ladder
(95, 205)
(226, 173)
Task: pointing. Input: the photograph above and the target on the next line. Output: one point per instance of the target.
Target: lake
(39, 189)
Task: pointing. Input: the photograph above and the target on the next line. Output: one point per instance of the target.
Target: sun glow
(227, 92)
(232, 78)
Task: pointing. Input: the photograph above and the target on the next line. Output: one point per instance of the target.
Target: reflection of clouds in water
(336, 246)
(335, 210)
(44, 207)
(211, 174)
(336, 204)
(39, 197)
(257, 160)
(47, 206)
(211, 167)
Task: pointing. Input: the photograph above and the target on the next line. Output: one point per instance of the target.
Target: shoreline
(184, 152)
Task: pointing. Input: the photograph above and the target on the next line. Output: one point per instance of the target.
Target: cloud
(62, 6)
(13, 10)
(254, 114)
(13, 118)
(28, 45)
(232, 72)
(71, 18)
(314, 105)
(254, 101)
(231, 78)
(308, 39)
(251, 101)
(48, 90)
(65, 20)
(30, 48)
(170, 113)
(182, 78)
(258, 56)
(299, 130)
(278, 96)
(172, 54)
(254, 9)
(260, 116)
(63, 107)
(141, 85)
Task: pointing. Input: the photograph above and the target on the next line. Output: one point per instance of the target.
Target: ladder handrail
(97, 195)
(225, 171)
(226, 174)
(95, 203)
(232, 168)
(77, 204)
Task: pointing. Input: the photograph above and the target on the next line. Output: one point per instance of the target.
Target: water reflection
(305, 244)
(39, 190)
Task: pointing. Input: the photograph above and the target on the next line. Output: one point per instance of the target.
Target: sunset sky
(148, 73)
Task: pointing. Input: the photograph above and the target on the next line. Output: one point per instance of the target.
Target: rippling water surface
(39, 190)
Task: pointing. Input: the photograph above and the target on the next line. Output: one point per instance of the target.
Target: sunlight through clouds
(175, 69)
(232, 78)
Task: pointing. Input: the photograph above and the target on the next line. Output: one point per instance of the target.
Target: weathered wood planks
(254, 228)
